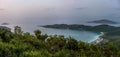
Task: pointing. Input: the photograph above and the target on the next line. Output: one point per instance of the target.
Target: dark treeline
(23, 44)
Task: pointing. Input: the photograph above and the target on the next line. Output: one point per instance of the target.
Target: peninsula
(98, 28)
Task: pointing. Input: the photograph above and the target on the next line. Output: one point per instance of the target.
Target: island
(98, 28)
(103, 21)
(5, 24)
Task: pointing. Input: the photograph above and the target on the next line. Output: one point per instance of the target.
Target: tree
(72, 44)
(112, 50)
(5, 35)
(37, 33)
(18, 30)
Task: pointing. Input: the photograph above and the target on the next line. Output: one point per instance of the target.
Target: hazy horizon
(58, 11)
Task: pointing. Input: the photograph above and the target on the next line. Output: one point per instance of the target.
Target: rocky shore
(100, 39)
(97, 41)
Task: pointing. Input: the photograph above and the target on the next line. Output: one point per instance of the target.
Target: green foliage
(42, 53)
(72, 44)
(19, 44)
(18, 30)
(5, 35)
(37, 33)
(62, 53)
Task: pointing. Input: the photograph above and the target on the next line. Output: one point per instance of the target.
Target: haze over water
(58, 11)
(30, 13)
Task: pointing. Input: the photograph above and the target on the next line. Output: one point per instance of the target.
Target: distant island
(107, 29)
(5, 24)
(103, 21)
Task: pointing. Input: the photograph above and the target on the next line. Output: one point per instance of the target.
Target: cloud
(61, 11)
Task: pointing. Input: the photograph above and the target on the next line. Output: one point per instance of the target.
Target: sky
(58, 11)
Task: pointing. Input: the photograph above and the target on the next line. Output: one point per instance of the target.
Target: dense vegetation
(109, 30)
(23, 44)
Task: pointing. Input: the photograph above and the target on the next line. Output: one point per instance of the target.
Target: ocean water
(85, 36)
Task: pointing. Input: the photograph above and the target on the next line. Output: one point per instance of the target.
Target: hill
(103, 21)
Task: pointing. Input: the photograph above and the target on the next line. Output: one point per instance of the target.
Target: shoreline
(98, 39)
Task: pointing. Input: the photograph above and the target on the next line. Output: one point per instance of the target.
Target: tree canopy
(23, 44)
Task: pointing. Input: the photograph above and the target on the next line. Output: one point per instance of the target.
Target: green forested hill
(107, 29)
(23, 44)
